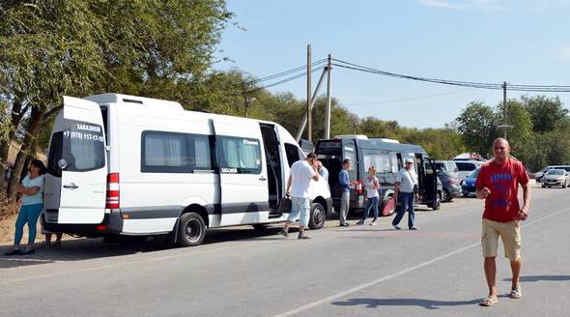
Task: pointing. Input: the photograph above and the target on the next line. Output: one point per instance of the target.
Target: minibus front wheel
(318, 216)
(191, 230)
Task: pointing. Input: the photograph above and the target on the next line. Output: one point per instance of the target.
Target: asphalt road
(354, 271)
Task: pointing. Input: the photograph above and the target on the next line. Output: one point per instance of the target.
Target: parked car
(447, 174)
(540, 174)
(555, 177)
(468, 184)
(467, 167)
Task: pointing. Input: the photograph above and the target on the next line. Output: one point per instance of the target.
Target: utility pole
(505, 108)
(313, 100)
(505, 126)
(328, 110)
(309, 120)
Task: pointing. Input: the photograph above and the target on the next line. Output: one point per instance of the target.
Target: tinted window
(350, 153)
(81, 145)
(238, 155)
(329, 147)
(292, 153)
(166, 152)
(55, 151)
(384, 162)
(463, 166)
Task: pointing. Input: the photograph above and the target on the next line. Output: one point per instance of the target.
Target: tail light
(358, 187)
(113, 192)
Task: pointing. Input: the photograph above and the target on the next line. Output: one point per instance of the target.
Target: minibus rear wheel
(192, 230)
(318, 216)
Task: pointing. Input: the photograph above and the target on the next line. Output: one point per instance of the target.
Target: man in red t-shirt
(498, 183)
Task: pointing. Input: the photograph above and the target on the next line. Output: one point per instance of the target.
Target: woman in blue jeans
(372, 186)
(31, 190)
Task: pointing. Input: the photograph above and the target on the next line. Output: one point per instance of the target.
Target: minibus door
(430, 180)
(75, 186)
(240, 157)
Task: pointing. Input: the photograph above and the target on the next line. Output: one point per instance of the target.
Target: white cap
(409, 160)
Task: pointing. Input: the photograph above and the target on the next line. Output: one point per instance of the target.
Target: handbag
(285, 205)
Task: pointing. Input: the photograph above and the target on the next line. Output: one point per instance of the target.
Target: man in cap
(404, 190)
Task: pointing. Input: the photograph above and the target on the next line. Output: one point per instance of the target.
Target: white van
(129, 165)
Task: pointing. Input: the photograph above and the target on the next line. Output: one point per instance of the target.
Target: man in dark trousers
(498, 183)
(404, 190)
(344, 182)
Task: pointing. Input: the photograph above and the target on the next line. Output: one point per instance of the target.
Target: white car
(555, 177)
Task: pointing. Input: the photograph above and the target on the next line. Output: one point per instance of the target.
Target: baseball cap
(409, 160)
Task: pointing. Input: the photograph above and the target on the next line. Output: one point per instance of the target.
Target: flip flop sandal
(489, 301)
(516, 293)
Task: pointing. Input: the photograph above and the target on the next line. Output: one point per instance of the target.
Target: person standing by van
(372, 186)
(323, 171)
(298, 184)
(405, 183)
(32, 204)
(344, 182)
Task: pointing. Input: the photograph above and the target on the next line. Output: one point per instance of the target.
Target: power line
(288, 79)
(469, 84)
(286, 72)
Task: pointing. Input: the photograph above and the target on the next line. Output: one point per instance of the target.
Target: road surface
(354, 271)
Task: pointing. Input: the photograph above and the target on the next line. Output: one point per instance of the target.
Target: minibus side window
(167, 152)
(238, 155)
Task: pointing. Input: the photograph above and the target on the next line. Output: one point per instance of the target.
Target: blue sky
(518, 41)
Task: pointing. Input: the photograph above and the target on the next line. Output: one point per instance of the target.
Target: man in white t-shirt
(404, 190)
(300, 177)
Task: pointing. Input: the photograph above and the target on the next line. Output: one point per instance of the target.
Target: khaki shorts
(510, 233)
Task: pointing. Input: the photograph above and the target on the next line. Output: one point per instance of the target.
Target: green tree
(545, 112)
(477, 124)
(522, 128)
(50, 48)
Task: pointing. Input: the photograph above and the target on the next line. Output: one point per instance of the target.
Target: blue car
(468, 183)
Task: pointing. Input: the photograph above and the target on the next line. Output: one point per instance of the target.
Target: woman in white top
(31, 190)
(372, 186)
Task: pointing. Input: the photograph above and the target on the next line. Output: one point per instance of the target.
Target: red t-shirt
(502, 204)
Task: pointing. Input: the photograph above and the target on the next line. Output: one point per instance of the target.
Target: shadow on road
(425, 303)
(537, 278)
(85, 249)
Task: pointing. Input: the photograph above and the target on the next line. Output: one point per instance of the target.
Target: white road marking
(400, 273)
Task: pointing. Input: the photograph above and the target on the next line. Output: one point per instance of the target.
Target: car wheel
(543, 186)
(437, 203)
(318, 216)
(191, 230)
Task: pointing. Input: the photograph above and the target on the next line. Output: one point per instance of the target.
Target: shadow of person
(537, 278)
(425, 303)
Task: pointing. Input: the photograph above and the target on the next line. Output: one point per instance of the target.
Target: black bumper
(112, 224)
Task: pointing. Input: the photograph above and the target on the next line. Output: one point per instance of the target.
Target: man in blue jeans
(404, 189)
